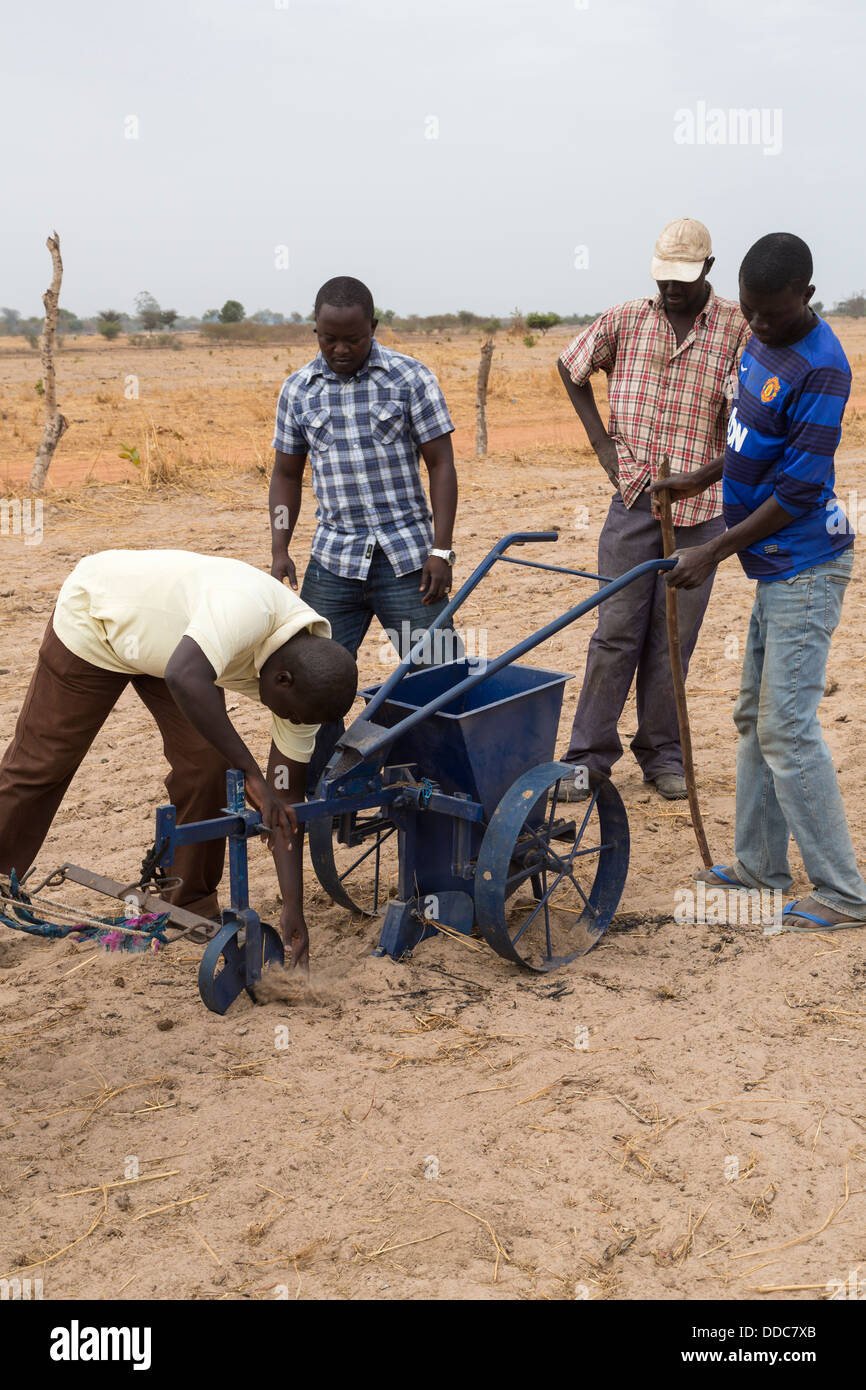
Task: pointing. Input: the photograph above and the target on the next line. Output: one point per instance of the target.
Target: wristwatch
(449, 555)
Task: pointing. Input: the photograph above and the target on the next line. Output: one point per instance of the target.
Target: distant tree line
(151, 319)
(465, 319)
(854, 307)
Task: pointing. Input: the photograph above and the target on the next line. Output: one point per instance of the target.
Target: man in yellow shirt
(182, 628)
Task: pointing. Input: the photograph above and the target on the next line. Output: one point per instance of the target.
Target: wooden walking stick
(673, 621)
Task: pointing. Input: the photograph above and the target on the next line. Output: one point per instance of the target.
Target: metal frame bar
(557, 569)
(488, 668)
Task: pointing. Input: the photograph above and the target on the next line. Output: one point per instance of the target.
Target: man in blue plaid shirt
(365, 416)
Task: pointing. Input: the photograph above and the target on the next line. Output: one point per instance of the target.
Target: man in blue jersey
(790, 535)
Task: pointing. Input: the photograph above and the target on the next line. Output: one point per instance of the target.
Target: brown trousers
(65, 707)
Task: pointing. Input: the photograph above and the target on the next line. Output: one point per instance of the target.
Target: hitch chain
(153, 875)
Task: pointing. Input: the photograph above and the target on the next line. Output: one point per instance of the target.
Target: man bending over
(182, 628)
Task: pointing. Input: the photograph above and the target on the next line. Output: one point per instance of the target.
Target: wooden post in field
(55, 423)
(481, 398)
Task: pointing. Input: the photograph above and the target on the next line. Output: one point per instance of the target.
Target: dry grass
(207, 411)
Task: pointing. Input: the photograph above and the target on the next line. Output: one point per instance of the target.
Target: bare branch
(481, 399)
(55, 423)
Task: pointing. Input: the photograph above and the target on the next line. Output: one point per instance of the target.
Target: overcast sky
(307, 124)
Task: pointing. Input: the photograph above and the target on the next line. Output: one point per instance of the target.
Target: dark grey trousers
(632, 636)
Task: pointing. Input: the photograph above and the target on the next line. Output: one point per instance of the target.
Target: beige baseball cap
(681, 250)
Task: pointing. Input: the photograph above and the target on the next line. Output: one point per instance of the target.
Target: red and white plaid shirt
(664, 399)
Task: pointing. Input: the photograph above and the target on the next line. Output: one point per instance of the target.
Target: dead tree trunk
(481, 399)
(55, 423)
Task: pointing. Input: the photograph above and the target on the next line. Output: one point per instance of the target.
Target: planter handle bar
(358, 744)
(475, 578)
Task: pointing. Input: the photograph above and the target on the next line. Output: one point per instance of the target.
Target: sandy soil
(430, 1130)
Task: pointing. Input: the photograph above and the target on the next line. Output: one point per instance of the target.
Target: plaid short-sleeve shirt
(363, 434)
(664, 399)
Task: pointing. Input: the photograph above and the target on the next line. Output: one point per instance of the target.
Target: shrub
(232, 311)
(143, 340)
(249, 332)
(108, 324)
(542, 321)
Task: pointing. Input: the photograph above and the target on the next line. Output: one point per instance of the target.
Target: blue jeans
(350, 606)
(786, 781)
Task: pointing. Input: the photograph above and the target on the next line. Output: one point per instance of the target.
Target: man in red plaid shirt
(671, 363)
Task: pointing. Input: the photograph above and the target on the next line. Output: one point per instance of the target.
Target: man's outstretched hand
(679, 485)
(296, 939)
(692, 568)
(276, 815)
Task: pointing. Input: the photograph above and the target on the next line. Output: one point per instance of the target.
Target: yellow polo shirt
(126, 611)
